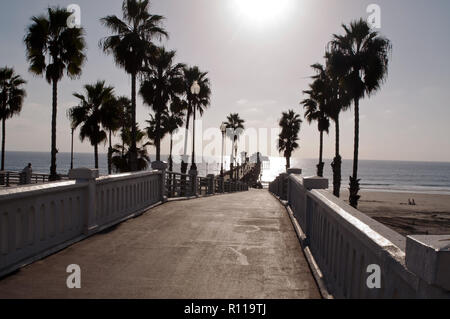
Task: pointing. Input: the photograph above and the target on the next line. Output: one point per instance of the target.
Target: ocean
(427, 177)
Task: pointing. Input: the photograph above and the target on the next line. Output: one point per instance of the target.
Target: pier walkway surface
(240, 245)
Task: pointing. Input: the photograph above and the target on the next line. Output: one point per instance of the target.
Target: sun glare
(262, 11)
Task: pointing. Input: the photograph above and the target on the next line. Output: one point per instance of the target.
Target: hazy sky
(259, 68)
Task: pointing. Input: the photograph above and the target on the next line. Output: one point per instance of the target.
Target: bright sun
(261, 11)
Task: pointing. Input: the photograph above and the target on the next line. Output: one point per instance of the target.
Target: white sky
(259, 68)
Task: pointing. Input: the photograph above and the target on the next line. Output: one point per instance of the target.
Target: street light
(195, 90)
(223, 129)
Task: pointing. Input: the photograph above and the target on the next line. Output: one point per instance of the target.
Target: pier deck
(238, 245)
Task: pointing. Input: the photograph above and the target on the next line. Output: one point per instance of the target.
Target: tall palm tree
(315, 110)
(130, 45)
(12, 95)
(235, 128)
(290, 128)
(193, 103)
(361, 58)
(337, 100)
(112, 118)
(49, 35)
(163, 82)
(91, 113)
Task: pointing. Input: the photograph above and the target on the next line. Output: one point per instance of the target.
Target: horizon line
(293, 157)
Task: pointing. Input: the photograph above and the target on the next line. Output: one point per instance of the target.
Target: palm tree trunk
(170, 154)
(337, 163)
(123, 142)
(288, 162)
(320, 165)
(3, 142)
(188, 118)
(110, 154)
(133, 152)
(96, 155)
(158, 136)
(354, 182)
(53, 175)
(183, 163)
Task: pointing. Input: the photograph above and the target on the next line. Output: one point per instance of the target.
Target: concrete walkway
(228, 246)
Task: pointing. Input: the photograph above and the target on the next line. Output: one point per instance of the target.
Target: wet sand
(430, 215)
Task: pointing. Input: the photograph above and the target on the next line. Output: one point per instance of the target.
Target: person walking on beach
(27, 171)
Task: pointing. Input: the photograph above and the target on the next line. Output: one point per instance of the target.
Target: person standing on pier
(27, 171)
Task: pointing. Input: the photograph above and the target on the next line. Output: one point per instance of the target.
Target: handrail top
(125, 176)
(381, 235)
(18, 192)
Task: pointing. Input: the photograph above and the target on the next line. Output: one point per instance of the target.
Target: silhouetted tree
(12, 95)
(316, 110)
(193, 103)
(287, 140)
(163, 82)
(130, 45)
(235, 128)
(361, 59)
(91, 113)
(49, 36)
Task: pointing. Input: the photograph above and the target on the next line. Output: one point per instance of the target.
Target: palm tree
(235, 128)
(91, 113)
(12, 95)
(112, 119)
(361, 58)
(193, 103)
(170, 122)
(50, 36)
(316, 110)
(126, 121)
(174, 120)
(130, 45)
(290, 127)
(337, 100)
(121, 153)
(163, 82)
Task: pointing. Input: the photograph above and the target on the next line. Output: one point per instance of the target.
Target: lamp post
(223, 129)
(195, 90)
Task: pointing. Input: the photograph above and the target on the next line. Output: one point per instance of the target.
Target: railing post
(310, 183)
(194, 182)
(162, 167)
(291, 171)
(211, 184)
(86, 175)
(428, 257)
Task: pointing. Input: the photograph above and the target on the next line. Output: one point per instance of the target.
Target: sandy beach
(430, 215)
